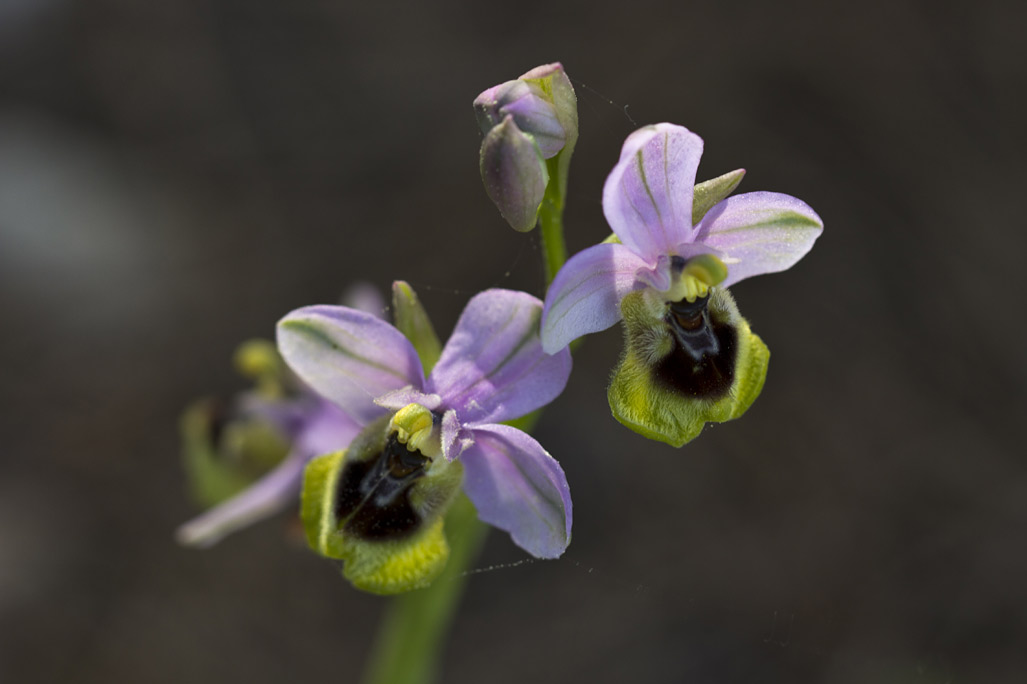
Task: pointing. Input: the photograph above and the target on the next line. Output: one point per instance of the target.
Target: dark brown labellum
(702, 361)
(374, 494)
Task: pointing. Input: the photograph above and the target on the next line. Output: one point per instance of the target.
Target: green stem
(410, 639)
(550, 217)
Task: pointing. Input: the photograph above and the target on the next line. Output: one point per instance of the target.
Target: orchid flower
(690, 357)
(379, 504)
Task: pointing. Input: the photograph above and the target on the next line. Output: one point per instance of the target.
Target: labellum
(685, 364)
(378, 506)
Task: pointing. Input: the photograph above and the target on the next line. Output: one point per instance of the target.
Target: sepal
(412, 320)
(705, 197)
(708, 193)
(514, 173)
(551, 82)
(667, 385)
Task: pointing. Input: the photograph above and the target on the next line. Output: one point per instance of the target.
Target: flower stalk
(550, 218)
(413, 631)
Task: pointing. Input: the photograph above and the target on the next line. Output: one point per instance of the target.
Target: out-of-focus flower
(530, 126)
(379, 505)
(245, 460)
(690, 357)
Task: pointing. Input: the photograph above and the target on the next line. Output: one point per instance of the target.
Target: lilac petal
(647, 197)
(585, 295)
(518, 487)
(493, 367)
(276, 491)
(348, 356)
(759, 232)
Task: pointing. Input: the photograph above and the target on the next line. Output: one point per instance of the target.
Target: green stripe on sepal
(380, 515)
(664, 394)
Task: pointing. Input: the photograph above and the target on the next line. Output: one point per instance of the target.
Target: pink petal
(647, 198)
(759, 232)
(493, 367)
(348, 356)
(518, 487)
(585, 295)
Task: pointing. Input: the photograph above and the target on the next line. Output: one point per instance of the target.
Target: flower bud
(533, 113)
(527, 123)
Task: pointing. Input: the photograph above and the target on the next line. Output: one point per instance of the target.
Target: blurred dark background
(174, 177)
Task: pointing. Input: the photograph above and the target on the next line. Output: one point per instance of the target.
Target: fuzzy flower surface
(649, 202)
(492, 369)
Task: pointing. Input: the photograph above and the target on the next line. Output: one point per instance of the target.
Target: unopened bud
(527, 123)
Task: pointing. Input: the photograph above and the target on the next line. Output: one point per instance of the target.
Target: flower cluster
(382, 432)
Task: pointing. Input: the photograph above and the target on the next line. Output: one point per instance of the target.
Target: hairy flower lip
(666, 393)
